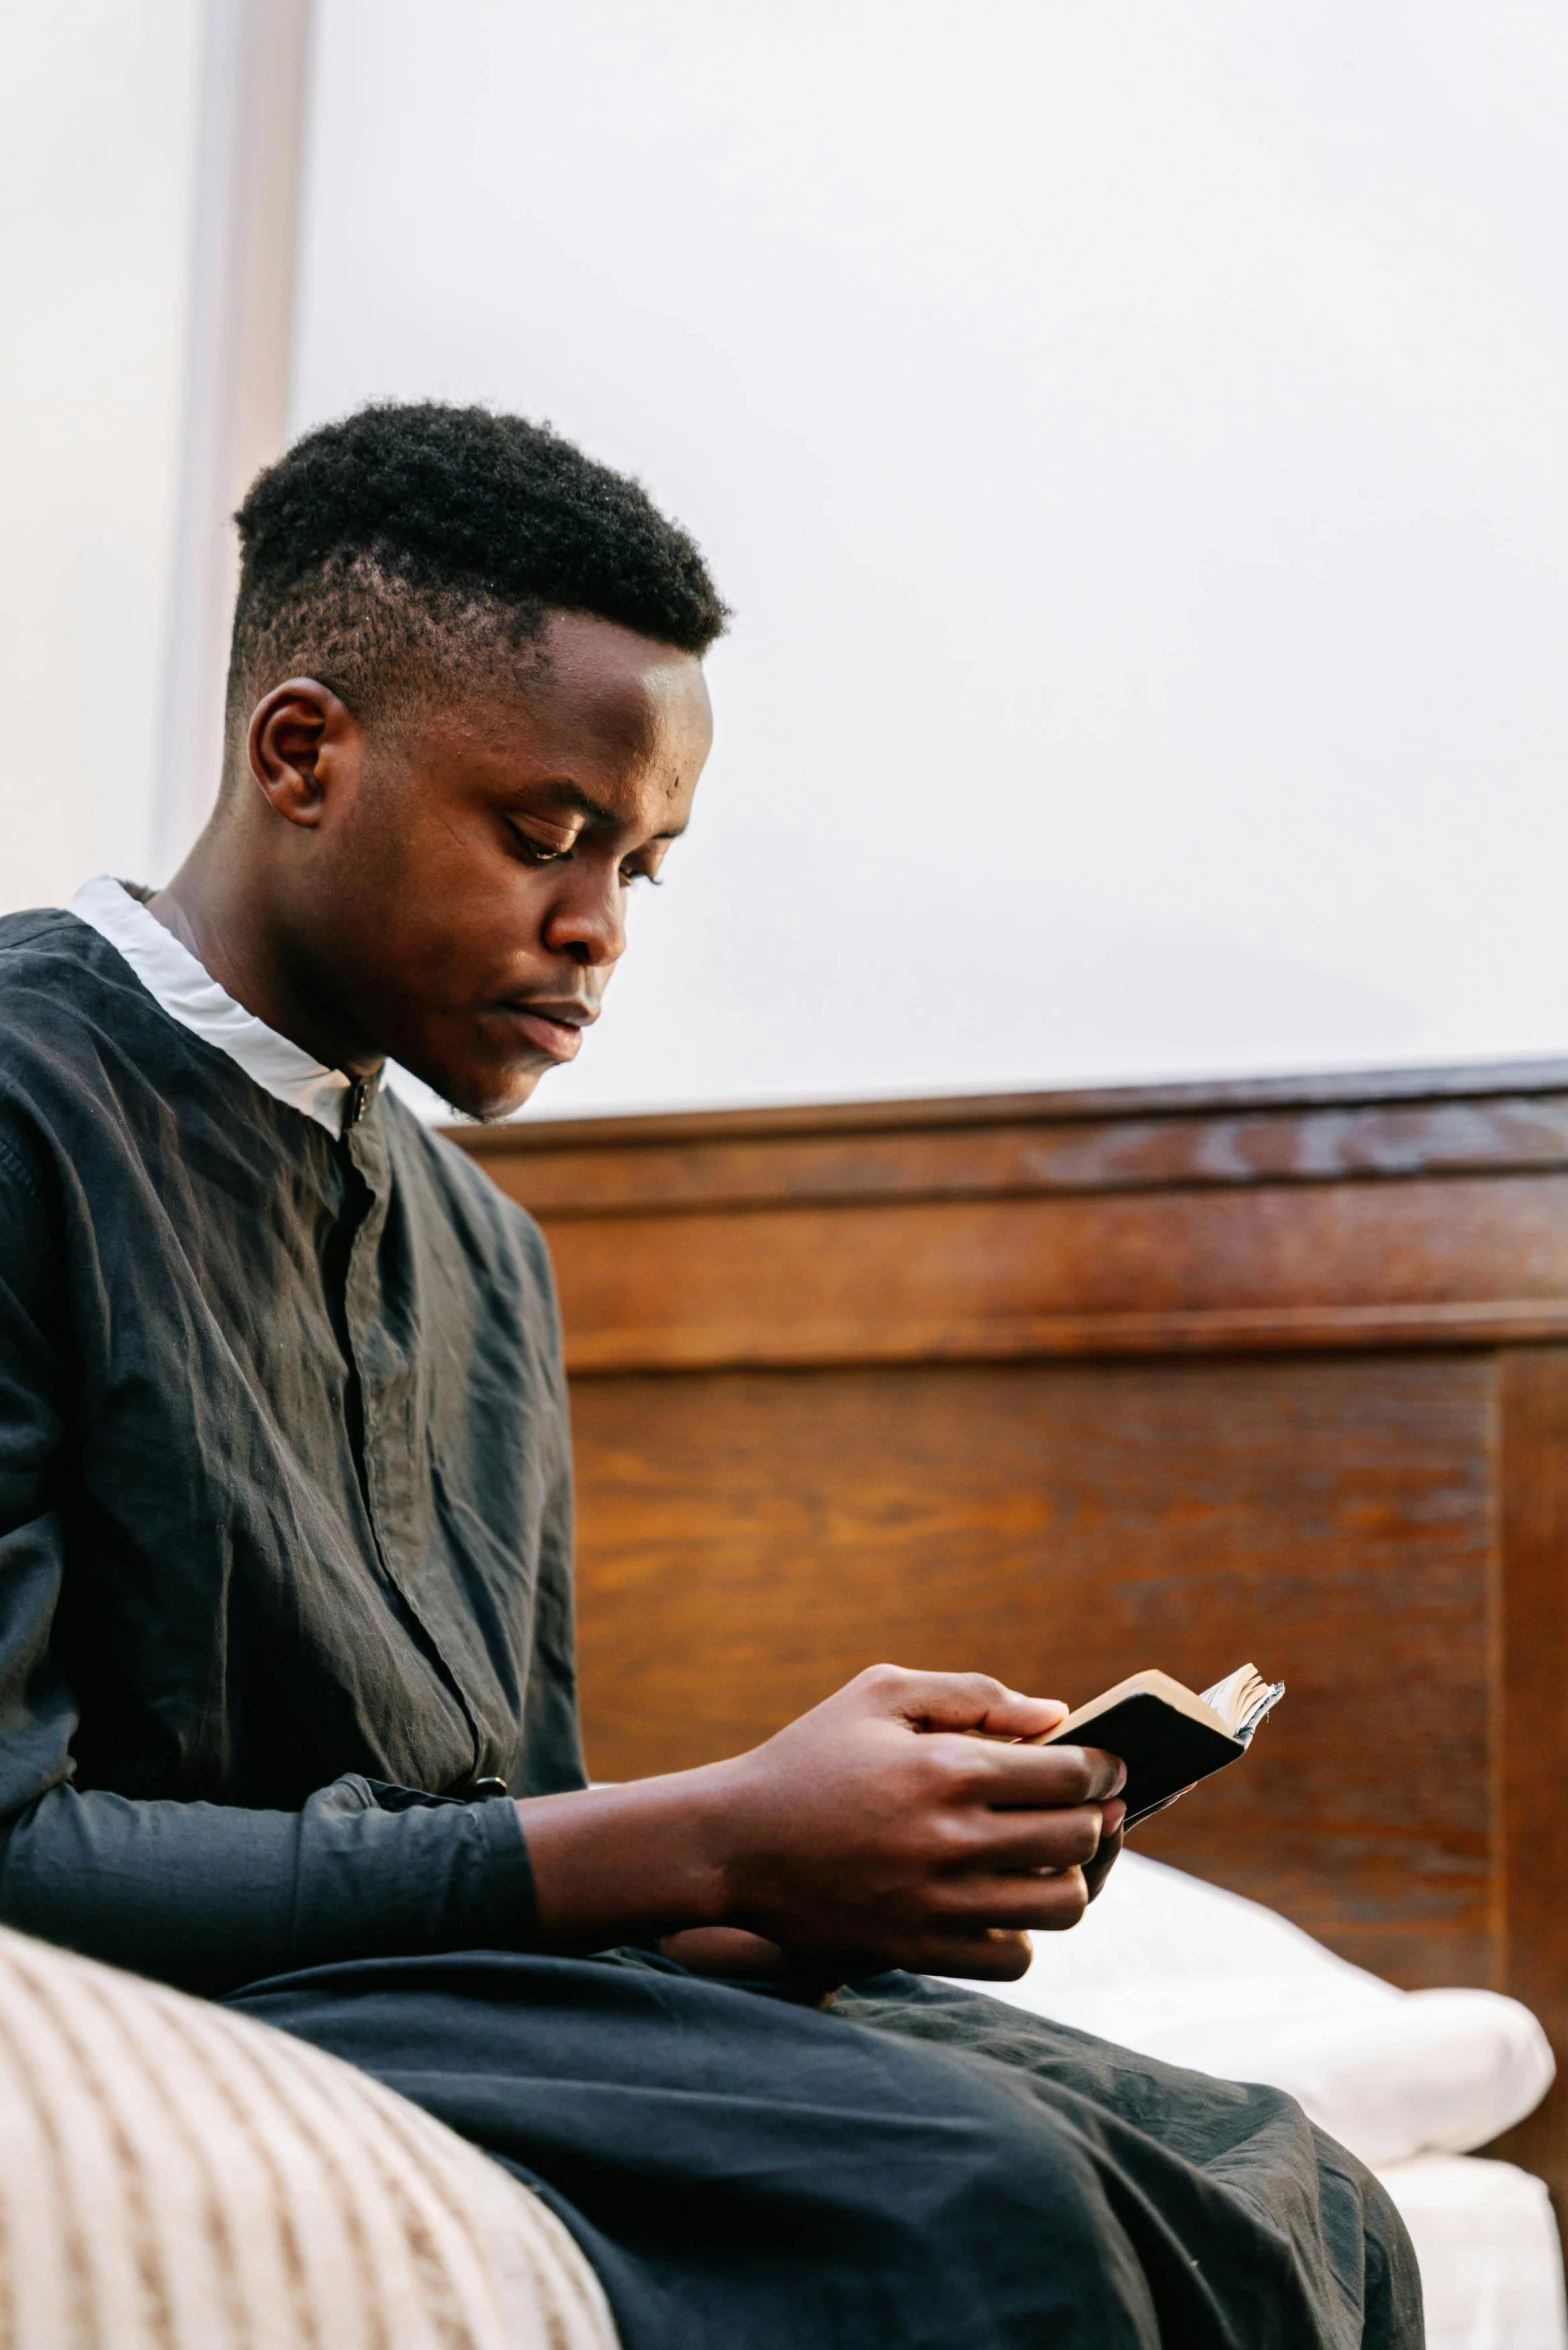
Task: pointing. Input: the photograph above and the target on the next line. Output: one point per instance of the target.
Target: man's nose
(588, 922)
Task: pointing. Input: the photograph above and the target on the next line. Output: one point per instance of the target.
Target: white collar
(188, 993)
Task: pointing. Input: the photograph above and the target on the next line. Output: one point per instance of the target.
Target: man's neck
(219, 913)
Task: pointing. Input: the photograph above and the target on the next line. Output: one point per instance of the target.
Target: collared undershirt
(188, 993)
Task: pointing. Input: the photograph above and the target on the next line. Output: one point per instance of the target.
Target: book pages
(1243, 1699)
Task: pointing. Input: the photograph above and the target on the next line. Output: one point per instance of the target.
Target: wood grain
(1531, 1685)
(1063, 1385)
(1474, 1083)
(560, 1171)
(1452, 1261)
(750, 1540)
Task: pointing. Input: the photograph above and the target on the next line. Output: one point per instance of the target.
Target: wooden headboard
(1063, 1385)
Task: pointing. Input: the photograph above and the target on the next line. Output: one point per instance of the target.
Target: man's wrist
(650, 1857)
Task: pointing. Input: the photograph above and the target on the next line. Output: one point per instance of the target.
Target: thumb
(967, 1701)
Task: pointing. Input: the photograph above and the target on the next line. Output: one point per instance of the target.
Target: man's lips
(554, 1027)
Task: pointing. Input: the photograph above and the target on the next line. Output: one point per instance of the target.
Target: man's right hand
(893, 1825)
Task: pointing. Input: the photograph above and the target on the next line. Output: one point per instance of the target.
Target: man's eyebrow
(572, 795)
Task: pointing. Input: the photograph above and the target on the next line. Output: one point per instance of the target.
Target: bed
(1067, 1384)
(1409, 2080)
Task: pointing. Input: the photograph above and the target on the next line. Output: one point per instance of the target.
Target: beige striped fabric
(173, 2177)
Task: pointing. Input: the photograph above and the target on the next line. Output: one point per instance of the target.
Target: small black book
(1167, 1737)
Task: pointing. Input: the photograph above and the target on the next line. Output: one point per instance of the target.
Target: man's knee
(1007, 2210)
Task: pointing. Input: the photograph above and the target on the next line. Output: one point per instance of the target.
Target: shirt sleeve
(198, 1894)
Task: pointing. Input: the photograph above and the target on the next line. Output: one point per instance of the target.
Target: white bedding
(1491, 2269)
(1409, 2080)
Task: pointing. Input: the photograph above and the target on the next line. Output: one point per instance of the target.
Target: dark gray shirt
(285, 1505)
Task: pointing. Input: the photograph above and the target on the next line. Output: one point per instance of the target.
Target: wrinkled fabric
(285, 1513)
(284, 1571)
(921, 2168)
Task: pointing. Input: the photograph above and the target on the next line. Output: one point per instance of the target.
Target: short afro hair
(400, 553)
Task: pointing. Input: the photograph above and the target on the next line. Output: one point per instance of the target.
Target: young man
(286, 1688)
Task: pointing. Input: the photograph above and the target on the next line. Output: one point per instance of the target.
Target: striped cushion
(173, 2177)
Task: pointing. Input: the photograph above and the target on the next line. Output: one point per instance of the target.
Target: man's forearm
(620, 1863)
(209, 1896)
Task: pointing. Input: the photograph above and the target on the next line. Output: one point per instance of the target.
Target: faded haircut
(406, 553)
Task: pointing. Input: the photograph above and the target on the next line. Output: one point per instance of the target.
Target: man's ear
(298, 735)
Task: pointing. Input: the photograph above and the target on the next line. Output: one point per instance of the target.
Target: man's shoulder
(57, 977)
(69, 1003)
(48, 957)
(48, 982)
(39, 931)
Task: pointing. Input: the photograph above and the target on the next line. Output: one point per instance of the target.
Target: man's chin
(487, 1095)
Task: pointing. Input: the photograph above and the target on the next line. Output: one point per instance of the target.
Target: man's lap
(916, 2166)
(1192, 2148)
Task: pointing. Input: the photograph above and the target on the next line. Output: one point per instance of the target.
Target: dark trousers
(917, 2168)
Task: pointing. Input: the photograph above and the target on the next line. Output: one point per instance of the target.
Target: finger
(1067, 1913)
(1019, 1905)
(1006, 1843)
(723, 1950)
(1029, 1778)
(1100, 1867)
(962, 1701)
(993, 1956)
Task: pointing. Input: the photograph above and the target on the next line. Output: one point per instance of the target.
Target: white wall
(97, 152)
(1133, 440)
(243, 242)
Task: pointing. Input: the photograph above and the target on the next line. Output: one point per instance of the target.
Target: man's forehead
(591, 686)
(633, 696)
(615, 766)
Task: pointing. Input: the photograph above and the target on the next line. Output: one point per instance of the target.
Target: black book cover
(1164, 1750)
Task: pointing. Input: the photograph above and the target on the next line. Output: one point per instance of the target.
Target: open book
(1167, 1737)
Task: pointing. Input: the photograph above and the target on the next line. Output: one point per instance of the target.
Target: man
(286, 1697)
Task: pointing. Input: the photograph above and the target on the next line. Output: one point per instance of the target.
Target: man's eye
(539, 852)
(635, 873)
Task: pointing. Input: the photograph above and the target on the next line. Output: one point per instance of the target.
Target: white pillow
(1176, 1969)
